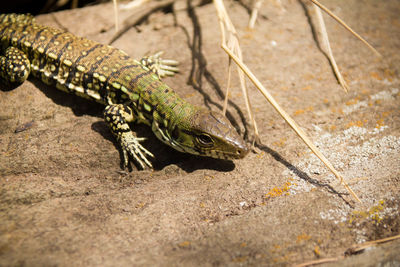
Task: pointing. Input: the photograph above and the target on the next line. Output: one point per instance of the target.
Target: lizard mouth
(238, 154)
(217, 154)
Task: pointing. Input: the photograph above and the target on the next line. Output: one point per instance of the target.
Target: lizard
(131, 90)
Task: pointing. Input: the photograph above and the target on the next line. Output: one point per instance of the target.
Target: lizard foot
(130, 145)
(161, 67)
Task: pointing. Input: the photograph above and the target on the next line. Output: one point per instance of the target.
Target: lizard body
(131, 91)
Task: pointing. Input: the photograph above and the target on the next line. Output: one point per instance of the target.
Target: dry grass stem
(133, 4)
(320, 261)
(254, 13)
(289, 120)
(341, 22)
(228, 85)
(116, 16)
(360, 247)
(229, 38)
(325, 45)
(353, 250)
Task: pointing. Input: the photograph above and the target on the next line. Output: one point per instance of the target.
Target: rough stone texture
(65, 201)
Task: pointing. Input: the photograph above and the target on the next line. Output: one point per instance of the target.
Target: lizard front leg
(117, 117)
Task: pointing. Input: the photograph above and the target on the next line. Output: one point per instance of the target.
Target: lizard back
(89, 69)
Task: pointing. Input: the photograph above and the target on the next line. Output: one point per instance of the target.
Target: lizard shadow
(6, 86)
(79, 106)
(165, 155)
(301, 174)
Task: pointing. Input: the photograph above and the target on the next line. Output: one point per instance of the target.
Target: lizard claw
(130, 146)
(161, 67)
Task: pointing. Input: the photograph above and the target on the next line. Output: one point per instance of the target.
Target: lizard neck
(164, 110)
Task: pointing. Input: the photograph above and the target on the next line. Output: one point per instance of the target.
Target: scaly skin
(130, 90)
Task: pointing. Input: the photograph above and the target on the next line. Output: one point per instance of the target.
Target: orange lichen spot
(308, 87)
(280, 143)
(277, 247)
(374, 213)
(299, 112)
(389, 74)
(316, 251)
(260, 155)
(326, 100)
(375, 75)
(356, 123)
(385, 114)
(140, 205)
(294, 99)
(190, 95)
(202, 205)
(302, 237)
(284, 88)
(358, 215)
(340, 111)
(365, 91)
(351, 102)
(279, 191)
(238, 94)
(244, 244)
(208, 177)
(184, 244)
(308, 76)
(332, 127)
(380, 123)
(240, 259)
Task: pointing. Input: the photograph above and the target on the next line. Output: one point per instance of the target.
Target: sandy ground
(64, 199)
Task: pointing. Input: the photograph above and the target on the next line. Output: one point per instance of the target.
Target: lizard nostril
(240, 153)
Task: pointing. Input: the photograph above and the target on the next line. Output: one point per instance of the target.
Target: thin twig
(254, 13)
(320, 261)
(228, 86)
(232, 41)
(327, 46)
(350, 251)
(341, 22)
(115, 4)
(357, 248)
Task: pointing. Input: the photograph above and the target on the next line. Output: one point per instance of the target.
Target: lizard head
(208, 133)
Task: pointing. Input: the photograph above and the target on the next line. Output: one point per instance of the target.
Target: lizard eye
(205, 140)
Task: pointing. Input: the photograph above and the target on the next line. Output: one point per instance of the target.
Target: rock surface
(65, 201)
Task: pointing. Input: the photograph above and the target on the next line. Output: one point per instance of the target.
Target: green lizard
(131, 91)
